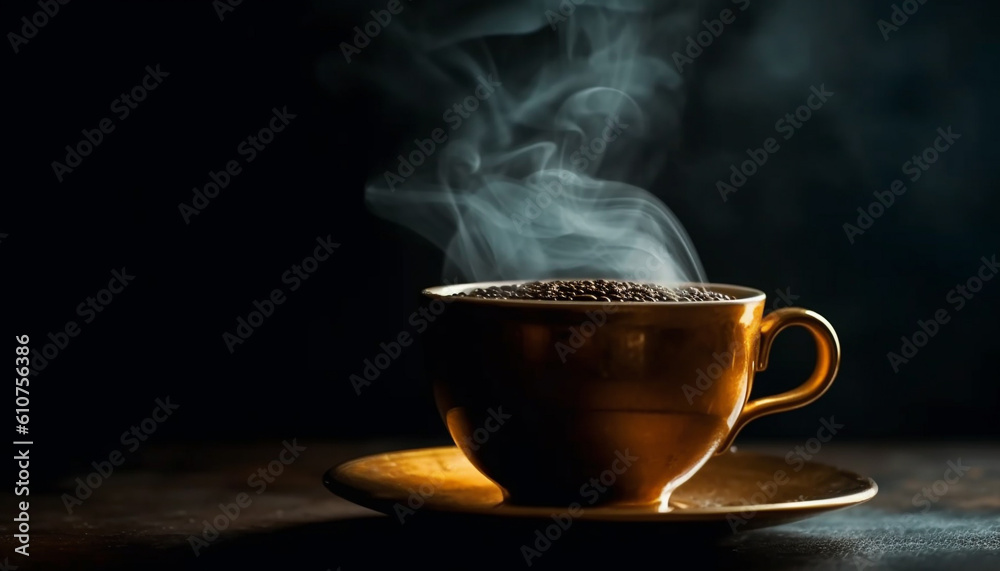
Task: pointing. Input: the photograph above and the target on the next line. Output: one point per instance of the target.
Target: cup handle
(827, 363)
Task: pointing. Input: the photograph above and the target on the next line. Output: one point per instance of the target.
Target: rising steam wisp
(538, 176)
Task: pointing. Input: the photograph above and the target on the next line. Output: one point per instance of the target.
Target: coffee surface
(595, 290)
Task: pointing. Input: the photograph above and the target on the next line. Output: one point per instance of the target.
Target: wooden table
(144, 515)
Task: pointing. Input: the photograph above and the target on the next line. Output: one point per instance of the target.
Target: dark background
(783, 230)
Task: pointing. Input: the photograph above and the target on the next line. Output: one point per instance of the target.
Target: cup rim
(742, 294)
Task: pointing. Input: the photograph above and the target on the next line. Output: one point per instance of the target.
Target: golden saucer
(725, 493)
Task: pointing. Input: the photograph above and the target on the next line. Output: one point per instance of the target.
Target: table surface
(144, 517)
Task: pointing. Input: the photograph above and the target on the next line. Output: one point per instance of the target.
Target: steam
(536, 165)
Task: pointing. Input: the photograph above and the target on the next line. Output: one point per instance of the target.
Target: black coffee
(595, 290)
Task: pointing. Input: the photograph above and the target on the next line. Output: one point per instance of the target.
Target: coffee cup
(607, 403)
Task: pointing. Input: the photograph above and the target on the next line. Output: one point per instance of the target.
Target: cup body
(592, 402)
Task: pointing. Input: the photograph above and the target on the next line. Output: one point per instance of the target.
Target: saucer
(734, 491)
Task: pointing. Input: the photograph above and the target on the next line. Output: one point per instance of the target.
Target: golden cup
(607, 402)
